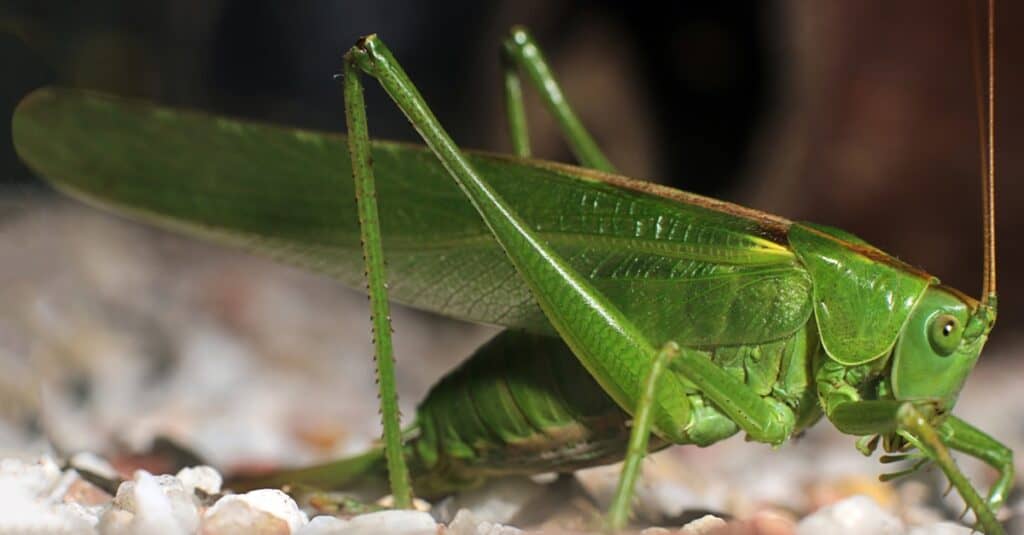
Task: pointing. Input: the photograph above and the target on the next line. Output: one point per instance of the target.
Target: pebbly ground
(118, 340)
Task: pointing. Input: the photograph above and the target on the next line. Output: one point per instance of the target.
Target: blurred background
(859, 115)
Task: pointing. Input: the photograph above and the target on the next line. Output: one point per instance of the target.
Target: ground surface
(113, 335)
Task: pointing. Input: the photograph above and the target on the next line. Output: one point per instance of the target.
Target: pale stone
(853, 516)
(705, 525)
(31, 500)
(266, 511)
(498, 500)
(93, 463)
(394, 522)
(151, 504)
(324, 525)
(466, 523)
(204, 478)
(417, 503)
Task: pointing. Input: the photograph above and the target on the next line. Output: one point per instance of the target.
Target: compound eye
(945, 333)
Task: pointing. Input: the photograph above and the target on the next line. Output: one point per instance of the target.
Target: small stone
(417, 503)
(154, 509)
(116, 522)
(203, 478)
(466, 523)
(324, 525)
(852, 516)
(151, 504)
(34, 478)
(705, 525)
(395, 522)
(238, 517)
(771, 522)
(93, 463)
(31, 495)
(264, 512)
(498, 500)
(544, 478)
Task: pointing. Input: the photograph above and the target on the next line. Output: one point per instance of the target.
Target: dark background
(860, 115)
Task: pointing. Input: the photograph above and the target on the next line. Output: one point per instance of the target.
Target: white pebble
(154, 512)
(324, 525)
(853, 516)
(93, 463)
(151, 504)
(417, 503)
(262, 511)
(396, 522)
(34, 478)
(704, 525)
(498, 500)
(204, 478)
(466, 523)
(31, 496)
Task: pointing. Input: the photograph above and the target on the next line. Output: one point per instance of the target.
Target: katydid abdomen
(523, 404)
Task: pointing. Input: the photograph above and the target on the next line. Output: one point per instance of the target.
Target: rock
(33, 478)
(395, 522)
(498, 500)
(770, 522)
(324, 525)
(466, 523)
(151, 504)
(203, 478)
(417, 503)
(705, 525)
(31, 500)
(853, 516)
(94, 464)
(263, 512)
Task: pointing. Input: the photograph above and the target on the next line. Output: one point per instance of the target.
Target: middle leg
(520, 52)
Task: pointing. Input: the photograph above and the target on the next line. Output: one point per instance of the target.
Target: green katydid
(764, 325)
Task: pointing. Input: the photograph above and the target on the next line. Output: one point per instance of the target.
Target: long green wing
(682, 271)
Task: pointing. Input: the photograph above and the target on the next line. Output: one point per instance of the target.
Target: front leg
(962, 436)
(914, 422)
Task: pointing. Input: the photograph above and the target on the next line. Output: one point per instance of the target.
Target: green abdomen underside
(523, 404)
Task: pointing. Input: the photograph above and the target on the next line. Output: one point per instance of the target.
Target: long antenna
(988, 190)
(979, 90)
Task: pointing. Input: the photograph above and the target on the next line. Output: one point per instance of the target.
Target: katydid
(639, 316)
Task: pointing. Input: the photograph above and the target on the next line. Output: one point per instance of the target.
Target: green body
(778, 322)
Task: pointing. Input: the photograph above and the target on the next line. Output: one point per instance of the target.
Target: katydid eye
(944, 334)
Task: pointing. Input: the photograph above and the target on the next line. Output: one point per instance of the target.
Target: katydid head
(939, 346)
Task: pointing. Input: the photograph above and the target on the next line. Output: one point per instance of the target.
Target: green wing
(683, 271)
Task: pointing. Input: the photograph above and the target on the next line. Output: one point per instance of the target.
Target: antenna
(987, 142)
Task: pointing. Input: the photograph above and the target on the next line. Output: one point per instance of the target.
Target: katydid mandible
(640, 316)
